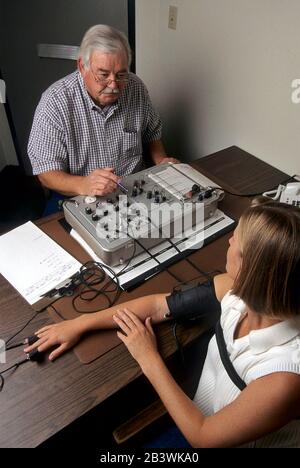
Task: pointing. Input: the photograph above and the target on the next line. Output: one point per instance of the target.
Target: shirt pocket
(132, 143)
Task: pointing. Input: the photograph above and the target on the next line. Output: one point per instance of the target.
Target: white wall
(224, 76)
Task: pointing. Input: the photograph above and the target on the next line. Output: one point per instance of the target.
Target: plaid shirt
(71, 134)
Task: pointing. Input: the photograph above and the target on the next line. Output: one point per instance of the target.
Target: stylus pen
(124, 189)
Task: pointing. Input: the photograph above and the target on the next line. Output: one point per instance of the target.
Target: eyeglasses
(103, 78)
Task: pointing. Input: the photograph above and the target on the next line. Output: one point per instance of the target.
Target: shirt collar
(276, 335)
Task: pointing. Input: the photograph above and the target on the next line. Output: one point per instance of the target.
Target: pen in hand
(122, 187)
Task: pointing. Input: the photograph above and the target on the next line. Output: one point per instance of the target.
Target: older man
(90, 128)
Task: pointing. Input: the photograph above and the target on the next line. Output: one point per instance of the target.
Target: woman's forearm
(154, 306)
(181, 408)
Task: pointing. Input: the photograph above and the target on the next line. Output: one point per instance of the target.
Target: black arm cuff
(198, 303)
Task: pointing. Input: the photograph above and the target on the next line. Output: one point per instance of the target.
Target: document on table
(34, 263)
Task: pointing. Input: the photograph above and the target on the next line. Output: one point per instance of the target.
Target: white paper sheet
(33, 263)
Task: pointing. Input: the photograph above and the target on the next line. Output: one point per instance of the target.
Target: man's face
(100, 78)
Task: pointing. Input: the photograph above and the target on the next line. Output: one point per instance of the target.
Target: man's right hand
(99, 182)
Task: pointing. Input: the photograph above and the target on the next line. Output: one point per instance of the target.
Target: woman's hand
(64, 334)
(137, 337)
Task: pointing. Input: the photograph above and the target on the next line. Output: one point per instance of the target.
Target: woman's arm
(66, 334)
(264, 406)
(154, 305)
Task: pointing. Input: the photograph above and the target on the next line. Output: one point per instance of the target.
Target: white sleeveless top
(262, 352)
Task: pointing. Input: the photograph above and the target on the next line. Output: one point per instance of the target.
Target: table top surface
(64, 390)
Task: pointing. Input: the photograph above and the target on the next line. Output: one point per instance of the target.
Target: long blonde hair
(269, 277)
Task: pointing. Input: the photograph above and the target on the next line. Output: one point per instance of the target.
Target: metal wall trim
(57, 51)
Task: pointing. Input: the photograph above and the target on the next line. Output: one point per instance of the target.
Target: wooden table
(38, 401)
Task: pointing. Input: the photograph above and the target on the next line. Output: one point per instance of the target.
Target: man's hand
(169, 160)
(99, 182)
(158, 154)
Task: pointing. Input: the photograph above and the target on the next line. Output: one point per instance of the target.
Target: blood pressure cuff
(197, 303)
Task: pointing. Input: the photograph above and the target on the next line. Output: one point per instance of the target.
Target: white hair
(103, 38)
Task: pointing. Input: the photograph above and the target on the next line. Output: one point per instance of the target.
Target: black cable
(33, 355)
(90, 269)
(57, 312)
(91, 291)
(178, 344)
(86, 277)
(27, 341)
(172, 274)
(17, 364)
(128, 263)
(202, 273)
(24, 326)
(153, 257)
(210, 274)
(248, 195)
(21, 329)
(14, 366)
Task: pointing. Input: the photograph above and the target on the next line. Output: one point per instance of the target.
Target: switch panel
(173, 11)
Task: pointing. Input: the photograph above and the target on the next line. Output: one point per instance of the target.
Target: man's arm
(158, 154)
(156, 151)
(98, 182)
(62, 182)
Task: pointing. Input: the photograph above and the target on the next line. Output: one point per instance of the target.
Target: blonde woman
(260, 318)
